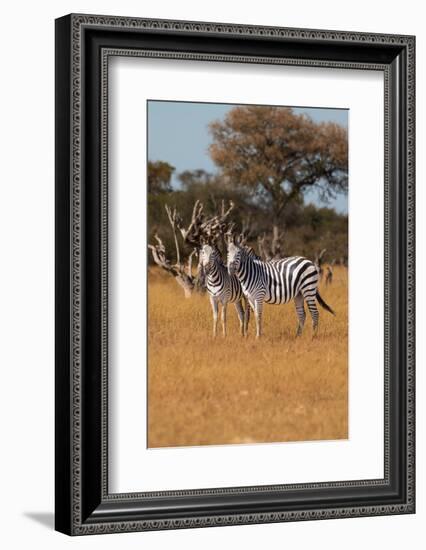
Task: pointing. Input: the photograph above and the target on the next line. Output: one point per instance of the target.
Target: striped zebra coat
(277, 282)
(222, 287)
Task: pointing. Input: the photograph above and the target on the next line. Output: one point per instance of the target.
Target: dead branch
(218, 226)
(201, 230)
(271, 248)
(193, 233)
(175, 221)
(189, 263)
(246, 231)
(277, 239)
(263, 247)
(159, 256)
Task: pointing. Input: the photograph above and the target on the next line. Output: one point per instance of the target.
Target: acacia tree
(279, 155)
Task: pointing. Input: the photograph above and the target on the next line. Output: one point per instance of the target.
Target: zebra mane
(251, 253)
(217, 254)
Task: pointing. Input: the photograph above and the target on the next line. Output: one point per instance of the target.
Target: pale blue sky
(178, 134)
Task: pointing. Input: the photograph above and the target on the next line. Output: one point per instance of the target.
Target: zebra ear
(228, 238)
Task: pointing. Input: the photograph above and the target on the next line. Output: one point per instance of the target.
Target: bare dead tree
(192, 235)
(218, 226)
(183, 277)
(201, 230)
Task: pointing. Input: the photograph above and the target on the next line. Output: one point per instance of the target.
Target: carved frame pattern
(78, 525)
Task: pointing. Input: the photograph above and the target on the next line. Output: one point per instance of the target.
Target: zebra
(222, 288)
(277, 282)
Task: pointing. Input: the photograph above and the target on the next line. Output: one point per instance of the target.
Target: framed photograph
(234, 274)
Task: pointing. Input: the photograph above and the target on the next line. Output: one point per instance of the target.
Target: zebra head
(235, 256)
(209, 255)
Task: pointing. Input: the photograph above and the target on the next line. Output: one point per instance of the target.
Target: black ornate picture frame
(84, 43)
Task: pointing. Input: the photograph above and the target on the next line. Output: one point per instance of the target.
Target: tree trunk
(186, 283)
(276, 242)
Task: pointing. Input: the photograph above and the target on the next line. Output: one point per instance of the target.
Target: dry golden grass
(205, 391)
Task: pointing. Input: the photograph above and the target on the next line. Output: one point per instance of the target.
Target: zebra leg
(313, 310)
(215, 309)
(258, 307)
(301, 315)
(224, 305)
(240, 312)
(246, 316)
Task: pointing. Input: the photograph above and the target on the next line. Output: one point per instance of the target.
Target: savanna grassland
(205, 391)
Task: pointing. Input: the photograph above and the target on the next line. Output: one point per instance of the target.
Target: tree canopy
(278, 155)
(160, 177)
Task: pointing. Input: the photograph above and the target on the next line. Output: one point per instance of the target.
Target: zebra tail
(323, 304)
